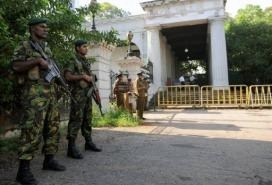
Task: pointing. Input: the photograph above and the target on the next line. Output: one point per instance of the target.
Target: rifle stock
(97, 100)
(94, 93)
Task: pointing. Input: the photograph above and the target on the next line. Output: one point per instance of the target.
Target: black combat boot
(50, 163)
(89, 145)
(24, 175)
(73, 152)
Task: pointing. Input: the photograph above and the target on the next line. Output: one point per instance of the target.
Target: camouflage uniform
(119, 89)
(128, 97)
(140, 91)
(40, 114)
(81, 111)
(146, 94)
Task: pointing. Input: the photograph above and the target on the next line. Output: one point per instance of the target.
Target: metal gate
(188, 96)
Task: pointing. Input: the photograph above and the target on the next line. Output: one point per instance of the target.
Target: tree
(65, 26)
(109, 11)
(249, 38)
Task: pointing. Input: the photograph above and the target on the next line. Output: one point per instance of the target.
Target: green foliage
(249, 38)
(191, 66)
(115, 117)
(109, 11)
(65, 26)
(5, 88)
(9, 144)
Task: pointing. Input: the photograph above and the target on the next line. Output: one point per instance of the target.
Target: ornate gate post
(101, 67)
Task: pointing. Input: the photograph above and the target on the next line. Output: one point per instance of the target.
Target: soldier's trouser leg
(140, 106)
(86, 127)
(51, 136)
(145, 103)
(34, 105)
(120, 100)
(75, 121)
(51, 133)
(31, 126)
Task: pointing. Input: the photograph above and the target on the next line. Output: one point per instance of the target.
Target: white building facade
(164, 33)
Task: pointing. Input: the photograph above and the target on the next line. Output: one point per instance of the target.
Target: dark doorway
(189, 43)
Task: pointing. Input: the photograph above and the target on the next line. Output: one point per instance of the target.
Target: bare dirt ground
(172, 147)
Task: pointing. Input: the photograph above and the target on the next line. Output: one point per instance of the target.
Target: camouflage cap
(80, 42)
(35, 21)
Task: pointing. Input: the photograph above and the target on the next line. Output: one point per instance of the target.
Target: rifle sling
(39, 49)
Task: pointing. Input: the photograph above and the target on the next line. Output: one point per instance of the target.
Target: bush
(114, 117)
(9, 145)
(13, 29)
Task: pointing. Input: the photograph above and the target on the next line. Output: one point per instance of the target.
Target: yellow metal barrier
(215, 96)
(224, 96)
(179, 96)
(260, 96)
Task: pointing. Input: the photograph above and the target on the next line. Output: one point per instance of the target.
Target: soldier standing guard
(140, 91)
(130, 96)
(80, 79)
(40, 116)
(119, 88)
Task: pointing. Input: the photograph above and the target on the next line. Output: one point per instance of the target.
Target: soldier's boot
(89, 145)
(73, 152)
(50, 163)
(24, 175)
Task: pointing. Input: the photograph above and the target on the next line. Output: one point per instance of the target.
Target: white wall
(101, 68)
(171, 13)
(163, 43)
(136, 24)
(159, 14)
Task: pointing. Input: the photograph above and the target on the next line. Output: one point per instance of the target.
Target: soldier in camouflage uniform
(79, 78)
(119, 90)
(140, 91)
(40, 116)
(129, 106)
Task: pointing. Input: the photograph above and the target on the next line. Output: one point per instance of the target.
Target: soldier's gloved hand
(43, 64)
(87, 78)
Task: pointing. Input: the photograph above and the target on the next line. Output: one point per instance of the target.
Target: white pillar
(164, 61)
(218, 61)
(154, 54)
(101, 68)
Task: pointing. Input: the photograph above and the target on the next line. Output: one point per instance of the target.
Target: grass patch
(114, 117)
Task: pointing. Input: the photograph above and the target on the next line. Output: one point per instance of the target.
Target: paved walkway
(173, 147)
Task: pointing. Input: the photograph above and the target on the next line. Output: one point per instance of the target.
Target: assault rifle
(53, 70)
(93, 91)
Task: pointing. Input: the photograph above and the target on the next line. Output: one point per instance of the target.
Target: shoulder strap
(85, 66)
(38, 48)
(27, 47)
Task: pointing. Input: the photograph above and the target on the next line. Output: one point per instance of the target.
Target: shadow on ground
(152, 159)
